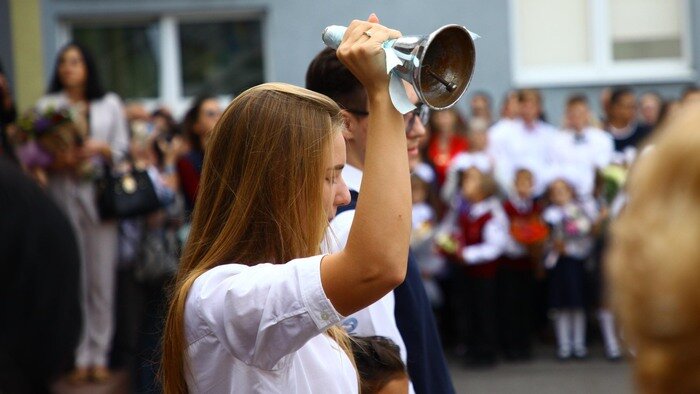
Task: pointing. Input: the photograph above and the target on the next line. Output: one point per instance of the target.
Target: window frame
(602, 69)
(170, 83)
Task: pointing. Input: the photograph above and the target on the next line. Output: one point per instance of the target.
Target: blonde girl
(256, 305)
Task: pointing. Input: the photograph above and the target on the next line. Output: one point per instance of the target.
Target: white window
(171, 59)
(589, 42)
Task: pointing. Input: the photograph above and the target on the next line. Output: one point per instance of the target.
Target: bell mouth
(447, 66)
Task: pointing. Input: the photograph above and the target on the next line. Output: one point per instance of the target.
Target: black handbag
(126, 195)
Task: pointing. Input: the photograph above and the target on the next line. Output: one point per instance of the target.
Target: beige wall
(25, 17)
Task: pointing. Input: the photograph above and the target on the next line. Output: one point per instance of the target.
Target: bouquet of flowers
(529, 231)
(51, 139)
(575, 223)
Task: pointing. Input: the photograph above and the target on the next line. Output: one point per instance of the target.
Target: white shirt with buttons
(513, 142)
(584, 153)
(261, 329)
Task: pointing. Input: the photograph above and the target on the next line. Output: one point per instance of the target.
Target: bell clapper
(450, 86)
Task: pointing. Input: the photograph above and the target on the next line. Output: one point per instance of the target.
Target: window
(171, 59)
(576, 42)
(230, 63)
(125, 56)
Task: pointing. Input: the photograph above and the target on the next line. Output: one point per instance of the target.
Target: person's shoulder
(548, 128)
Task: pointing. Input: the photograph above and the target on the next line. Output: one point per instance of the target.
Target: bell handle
(333, 35)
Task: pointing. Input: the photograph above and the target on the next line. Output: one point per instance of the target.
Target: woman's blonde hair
(259, 199)
(654, 260)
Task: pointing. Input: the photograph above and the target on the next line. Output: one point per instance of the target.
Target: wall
(292, 29)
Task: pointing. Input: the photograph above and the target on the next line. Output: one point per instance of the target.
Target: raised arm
(374, 259)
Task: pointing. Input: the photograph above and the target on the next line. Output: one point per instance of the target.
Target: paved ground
(544, 375)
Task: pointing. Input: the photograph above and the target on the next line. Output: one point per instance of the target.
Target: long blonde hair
(259, 199)
(654, 260)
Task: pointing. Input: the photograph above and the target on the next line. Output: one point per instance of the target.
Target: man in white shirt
(525, 139)
(581, 147)
(404, 315)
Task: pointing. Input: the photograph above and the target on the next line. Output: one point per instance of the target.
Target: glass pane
(633, 37)
(537, 19)
(126, 57)
(222, 58)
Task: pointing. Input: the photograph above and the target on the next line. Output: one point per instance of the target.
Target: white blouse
(260, 329)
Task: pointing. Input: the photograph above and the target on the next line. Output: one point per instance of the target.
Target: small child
(379, 365)
(483, 235)
(517, 270)
(571, 240)
(422, 236)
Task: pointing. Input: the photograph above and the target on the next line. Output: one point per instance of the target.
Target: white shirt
(586, 152)
(495, 233)
(260, 329)
(512, 143)
(378, 318)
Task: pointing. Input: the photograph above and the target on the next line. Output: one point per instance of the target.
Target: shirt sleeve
(268, 311)
(495, 240)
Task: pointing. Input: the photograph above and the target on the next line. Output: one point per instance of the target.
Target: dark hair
(93, 88)
(528, 94)
(578, 98)
(327, 75)
(618, 93)
(192, 117)
(378, 361)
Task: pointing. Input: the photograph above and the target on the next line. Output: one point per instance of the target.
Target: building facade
(167, 51)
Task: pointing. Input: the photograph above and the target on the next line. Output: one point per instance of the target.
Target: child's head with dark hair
(477, 185)
(524, 183)
(379, 364)
(561, 192)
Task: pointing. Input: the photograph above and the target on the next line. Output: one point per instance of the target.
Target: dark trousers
(515, 311)
(480, 313)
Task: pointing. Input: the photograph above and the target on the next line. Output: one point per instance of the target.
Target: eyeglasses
(422, 112)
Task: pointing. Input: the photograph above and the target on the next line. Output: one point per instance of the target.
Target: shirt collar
(480, 208)
(352, 177)
(519, 203)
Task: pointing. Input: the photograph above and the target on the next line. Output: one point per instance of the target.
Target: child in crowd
(379, 365)
(422, 236)
(518, 267)
(482, 227)
(478, 142)
(571, 241)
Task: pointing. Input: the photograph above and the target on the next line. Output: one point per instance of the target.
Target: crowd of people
(511, 217)
(510, 220)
